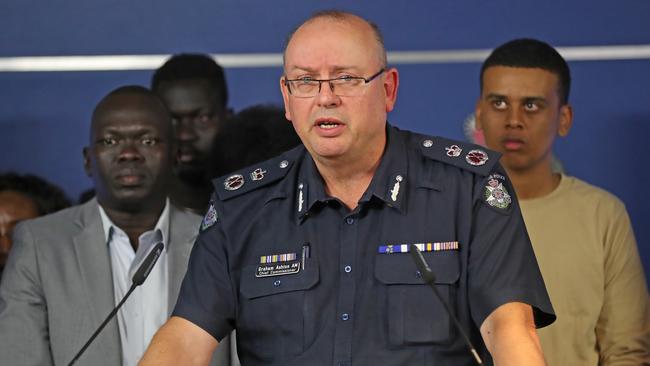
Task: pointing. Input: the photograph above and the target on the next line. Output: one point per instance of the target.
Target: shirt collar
(391, 178)
(162, 226)
(388, 184)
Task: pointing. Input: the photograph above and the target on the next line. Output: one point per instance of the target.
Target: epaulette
(251, 178)
(472, 157)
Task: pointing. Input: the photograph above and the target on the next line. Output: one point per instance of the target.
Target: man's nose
(514, 118)
(326, 96)
(184, 129)
(130, 152)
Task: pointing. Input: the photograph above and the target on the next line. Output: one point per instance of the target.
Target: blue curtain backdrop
(44, 115)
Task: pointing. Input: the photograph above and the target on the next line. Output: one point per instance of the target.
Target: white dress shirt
(146, 309)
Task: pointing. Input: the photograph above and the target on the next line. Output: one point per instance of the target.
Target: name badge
(278, 269)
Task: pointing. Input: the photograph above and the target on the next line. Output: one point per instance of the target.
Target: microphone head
(147, 265)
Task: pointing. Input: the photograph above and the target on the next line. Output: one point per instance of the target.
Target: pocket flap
(399, 268)
(252, 287)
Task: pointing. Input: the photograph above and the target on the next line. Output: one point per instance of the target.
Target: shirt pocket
(271, 317)
(414, 314)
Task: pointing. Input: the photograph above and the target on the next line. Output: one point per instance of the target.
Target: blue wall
(44, 115)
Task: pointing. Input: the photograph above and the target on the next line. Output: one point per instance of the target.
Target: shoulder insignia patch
(233, 182)
(210, 218)
(476, 157)
(464, 155)
(495, 193)
(252, 177)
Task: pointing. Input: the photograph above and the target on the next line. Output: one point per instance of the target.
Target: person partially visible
(67, 270)
(193, 87)
(581, 234)
(24, 197)
(474, 135)
(306, 254)
(251, 136)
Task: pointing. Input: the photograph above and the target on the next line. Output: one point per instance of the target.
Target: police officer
(306, 254)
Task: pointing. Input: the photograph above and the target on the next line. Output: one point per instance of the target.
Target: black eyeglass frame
(329, 81)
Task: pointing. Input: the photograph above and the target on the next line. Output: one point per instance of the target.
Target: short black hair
(47, 197)
(193, 66)
(531, 53)
(253, 135)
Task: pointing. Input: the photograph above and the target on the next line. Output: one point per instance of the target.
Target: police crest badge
(495, 194)
(210, 218)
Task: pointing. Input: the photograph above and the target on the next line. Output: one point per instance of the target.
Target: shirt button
(348, 269)
(277, 283)
(418, 274)
(345, 316)
(349, 220)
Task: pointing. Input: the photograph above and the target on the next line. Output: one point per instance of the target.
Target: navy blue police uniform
(306, 281)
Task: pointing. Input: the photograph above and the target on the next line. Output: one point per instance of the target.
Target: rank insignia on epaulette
(453, 151)
(476, 157)
(278, 265)
(233, 182)
(258, 174)
(210, 218)
(424, 247)
(495, 193)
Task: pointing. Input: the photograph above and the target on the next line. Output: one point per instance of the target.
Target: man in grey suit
(66, 271)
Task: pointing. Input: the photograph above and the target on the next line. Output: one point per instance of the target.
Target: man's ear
(477, 116)
(86, 154)
(285, 98)
(566, 120)
(391, 84)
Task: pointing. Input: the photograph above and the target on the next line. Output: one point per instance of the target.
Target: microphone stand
(138, 278)
(429, 279)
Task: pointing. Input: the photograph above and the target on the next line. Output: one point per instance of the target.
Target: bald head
(136, 97)
(358, 23)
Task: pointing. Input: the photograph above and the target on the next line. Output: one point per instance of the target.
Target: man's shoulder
(183, 224)
(594, 195)
(466, 156)
(52, 234)
(180, 214)
(258, 177)
(58, 221)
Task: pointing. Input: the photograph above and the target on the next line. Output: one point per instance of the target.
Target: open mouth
(328, 124)
(186, 155)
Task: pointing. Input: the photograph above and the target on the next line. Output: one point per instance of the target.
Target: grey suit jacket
(57, 288)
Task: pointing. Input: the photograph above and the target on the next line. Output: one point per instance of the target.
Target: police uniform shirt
(306, 281)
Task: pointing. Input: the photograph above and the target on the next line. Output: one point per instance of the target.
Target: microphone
(138, 278)
(429, 279)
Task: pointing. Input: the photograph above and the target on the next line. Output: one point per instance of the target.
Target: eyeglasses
(344, 86)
